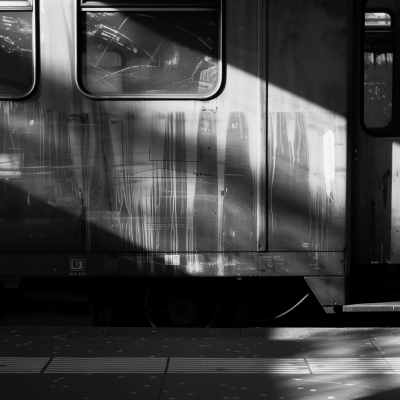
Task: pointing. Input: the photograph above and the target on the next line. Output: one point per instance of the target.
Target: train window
(17, 50)
(378, 69)
(149, 49)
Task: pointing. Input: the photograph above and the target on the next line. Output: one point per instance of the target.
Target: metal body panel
(395, 218)
(330, 291)
(302, 263)
(78, 265)
(308, 80)
(127, 176)
(371, 197)
(175, 188)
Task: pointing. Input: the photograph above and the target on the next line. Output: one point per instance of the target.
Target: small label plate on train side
(77, 264)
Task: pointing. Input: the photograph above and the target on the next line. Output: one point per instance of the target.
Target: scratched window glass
(16, 73)
(378, 70)
(157, 53)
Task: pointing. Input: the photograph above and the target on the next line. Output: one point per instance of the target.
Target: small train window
(378, 69)
(131, 49)
(17, 49)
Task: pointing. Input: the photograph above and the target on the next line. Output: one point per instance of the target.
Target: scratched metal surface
(133, 176)
(308, 61)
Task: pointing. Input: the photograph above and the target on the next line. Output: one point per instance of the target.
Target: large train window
(378, 70)
(17, 49)
(149, 49)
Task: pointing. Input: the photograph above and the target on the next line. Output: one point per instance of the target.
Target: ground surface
(171, 364)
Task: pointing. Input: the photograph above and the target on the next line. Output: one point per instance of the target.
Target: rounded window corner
(20, 96)
(83, 90)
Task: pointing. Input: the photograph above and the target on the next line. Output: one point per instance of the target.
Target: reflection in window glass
(378, 82)
(378, 70)
(150, 53)
(377, 19)
(16, 73)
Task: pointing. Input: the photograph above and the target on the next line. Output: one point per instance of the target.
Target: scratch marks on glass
(113, 37)
(378, 86)
(16, 74)
(150, 53)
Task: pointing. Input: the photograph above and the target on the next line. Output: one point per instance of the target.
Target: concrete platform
(170, 364)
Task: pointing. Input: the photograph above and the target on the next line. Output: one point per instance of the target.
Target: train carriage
(172, 147)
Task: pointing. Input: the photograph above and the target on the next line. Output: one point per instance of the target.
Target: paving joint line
(308, 365)
(165, 374)
(46, 365)
(387, 362)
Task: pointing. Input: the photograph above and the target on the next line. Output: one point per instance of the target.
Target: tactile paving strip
(238, 365)
(350, 366)
(184, 365)
(96, 365)
(22, 365)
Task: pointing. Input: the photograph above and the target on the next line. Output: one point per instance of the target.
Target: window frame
(15, 5)
(390, 129)
(24, 5)
(129, 5)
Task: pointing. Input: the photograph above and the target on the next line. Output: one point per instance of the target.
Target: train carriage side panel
(308, 74)
(150, 187)
(308, 109)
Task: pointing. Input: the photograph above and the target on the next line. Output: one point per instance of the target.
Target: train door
(375, 184)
